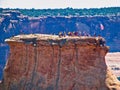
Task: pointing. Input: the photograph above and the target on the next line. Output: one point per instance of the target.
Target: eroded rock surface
(13, 23)
(46, 62)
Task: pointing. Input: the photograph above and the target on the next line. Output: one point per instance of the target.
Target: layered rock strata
(47, 62)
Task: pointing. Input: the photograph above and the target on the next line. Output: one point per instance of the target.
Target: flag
(101, 26)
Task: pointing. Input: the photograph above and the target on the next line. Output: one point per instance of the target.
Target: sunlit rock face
(47, 62)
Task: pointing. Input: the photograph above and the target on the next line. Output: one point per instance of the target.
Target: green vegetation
(68, 11)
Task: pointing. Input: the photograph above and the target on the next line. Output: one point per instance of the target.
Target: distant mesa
(50, 62)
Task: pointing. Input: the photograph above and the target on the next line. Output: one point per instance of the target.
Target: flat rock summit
(48, 62)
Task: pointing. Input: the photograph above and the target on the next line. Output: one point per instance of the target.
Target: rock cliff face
(46, 62)
(14, 23)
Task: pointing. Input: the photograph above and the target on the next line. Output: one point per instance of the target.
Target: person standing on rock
(60, 34)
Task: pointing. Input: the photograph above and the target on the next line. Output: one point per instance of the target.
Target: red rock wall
(67, 66)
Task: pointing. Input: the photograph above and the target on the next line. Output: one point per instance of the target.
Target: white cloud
(58, 3)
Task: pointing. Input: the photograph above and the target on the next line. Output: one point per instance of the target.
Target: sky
(44, 4)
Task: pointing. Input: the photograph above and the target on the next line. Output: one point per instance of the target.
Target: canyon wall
(47, 62)
(14, 23)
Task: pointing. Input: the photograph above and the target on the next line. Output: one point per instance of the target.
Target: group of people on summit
(101, 41)
(75, 33)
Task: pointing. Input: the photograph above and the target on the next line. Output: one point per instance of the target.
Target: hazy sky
(58, 3)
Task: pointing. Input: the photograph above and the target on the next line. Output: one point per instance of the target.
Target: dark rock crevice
(58, 69)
